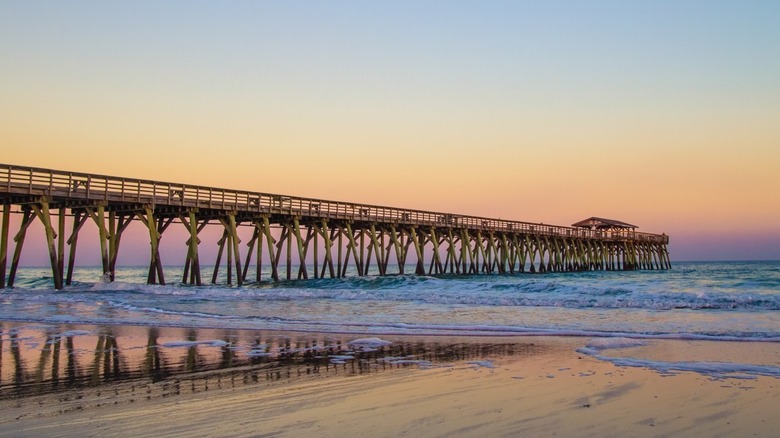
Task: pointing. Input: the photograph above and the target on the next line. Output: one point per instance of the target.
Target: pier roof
(600, 223)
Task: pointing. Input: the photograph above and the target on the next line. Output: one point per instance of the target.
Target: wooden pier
(298, 237)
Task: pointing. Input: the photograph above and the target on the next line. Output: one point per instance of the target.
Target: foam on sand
(365, 343)
(187, 344)
(715, 370)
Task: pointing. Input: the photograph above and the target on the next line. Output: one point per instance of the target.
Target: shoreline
(425, 331)
(410, 385)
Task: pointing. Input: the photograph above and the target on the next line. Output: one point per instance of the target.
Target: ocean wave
(611, 339)
(422, 290)
(739, 300)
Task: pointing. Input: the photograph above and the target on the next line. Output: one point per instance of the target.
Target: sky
(663, 114)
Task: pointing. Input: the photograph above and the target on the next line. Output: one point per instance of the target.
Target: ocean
(730, 301)
(700, 317)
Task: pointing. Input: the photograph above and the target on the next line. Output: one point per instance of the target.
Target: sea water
(730, 301)
(126, 328)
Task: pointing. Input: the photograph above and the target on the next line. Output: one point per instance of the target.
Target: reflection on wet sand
(93, 366)
(183, 382)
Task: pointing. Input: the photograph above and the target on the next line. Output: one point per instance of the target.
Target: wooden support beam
(188, 258)
(466, 255)
(42, 211)
(363, 262)
(519, 253)
(100, 221)
(112, 242)
(162, 225)
(583, 255)
(282, 237)
(665, 251)
(478, 253)
(418, 249)
(259, 262)
(307, 243)
(387, 248)
(552, 261)
(317, 233)
(424, 239)
(352, 246)
(557, 249)
(339, 246)
(452, 259)
(436, 256)
(269, 239)
(288, 252)
(79, 219)
(514, 254)
(486, 254)
(250, 249)
(651, 256)
(492, 253)
(668, 259)
(396, 244)
(220, 251)
(544, 254)
(328, 237)
(4, 243)
(235, 241)
(448, 262)
(27, 218)
(502, 247)
(154, 240)
(226, 247)
(532, 250)
(376, 247)
(193, 242)
(369, 253)
(301, 253)
(347, 252)
(405, 246)
(633, 256)
(115, 230)
(61, 244)
(458, 253)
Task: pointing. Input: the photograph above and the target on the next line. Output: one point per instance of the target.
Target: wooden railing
(19, 180)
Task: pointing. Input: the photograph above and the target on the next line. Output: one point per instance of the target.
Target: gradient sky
(664, 114)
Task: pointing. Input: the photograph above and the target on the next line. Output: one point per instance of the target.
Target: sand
(544, 388)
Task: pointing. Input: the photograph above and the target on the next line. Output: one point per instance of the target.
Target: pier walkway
(304, 238)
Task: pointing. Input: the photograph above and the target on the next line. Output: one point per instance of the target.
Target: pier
(300, 238)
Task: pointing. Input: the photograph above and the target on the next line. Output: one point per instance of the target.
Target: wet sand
(438, 387)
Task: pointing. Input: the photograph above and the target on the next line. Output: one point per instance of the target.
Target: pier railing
(31, 181)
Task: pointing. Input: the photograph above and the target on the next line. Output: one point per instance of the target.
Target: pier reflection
(78, 364)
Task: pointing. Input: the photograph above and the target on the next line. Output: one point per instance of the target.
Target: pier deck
(324, 235)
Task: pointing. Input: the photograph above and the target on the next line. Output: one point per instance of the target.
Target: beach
(133, 381)
(388, 219)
